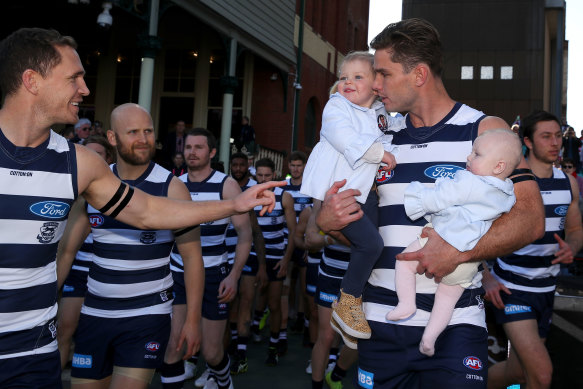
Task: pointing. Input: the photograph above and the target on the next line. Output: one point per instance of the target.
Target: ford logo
(442, 171)
(561, 210)
(473, 363)
(50, 209)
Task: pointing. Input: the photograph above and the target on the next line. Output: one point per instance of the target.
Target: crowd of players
(159, 288)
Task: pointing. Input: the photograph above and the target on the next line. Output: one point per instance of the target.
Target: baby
(461, 210)
(352, 145)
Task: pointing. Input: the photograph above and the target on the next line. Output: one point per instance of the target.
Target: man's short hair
(210, 138)
(81, 122)
(265, 162)
(29, 48)
(528, 123)
(412, 41)
(298, 156)
(238, 155)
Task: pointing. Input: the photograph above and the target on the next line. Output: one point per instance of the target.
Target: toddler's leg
(446, 297)
(366, 247)
(405, 272)
(365, 250)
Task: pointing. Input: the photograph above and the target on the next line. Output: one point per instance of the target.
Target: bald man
(41, 175)
(125, 319)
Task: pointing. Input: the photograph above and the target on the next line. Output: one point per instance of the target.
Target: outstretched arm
(98, 185)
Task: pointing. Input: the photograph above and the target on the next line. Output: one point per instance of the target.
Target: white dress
(348, 132)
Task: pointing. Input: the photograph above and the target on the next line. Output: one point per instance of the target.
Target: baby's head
(356, 77)
(495, 153)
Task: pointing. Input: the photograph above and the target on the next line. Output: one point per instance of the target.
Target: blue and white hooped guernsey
(334, 261)
(529, 269)
(271, 225)
(37, 189)
(231, 238)
(84, 256)
(212, 234)
(130, 275)
(425, 154)
(301, 201)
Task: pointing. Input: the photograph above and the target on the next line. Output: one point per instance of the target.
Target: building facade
(203, 49)
(504, 57)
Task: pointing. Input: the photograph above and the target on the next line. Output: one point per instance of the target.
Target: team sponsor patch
(311, 288)
(382, 122)
(473, 363)
(68, 288)
(96, 220)
(561, 210)
(365, 379)
(441, 171)
(328, 297)
(50, 209)
(148, 237)
(247, 268)
(383, 177)
(82, 361)
(47, 232)
(152, 346)
(512, 309)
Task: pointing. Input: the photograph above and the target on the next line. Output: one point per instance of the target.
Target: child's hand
(389, 161)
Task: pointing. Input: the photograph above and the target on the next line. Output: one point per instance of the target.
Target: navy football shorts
(271, 272)
(40, 371)
(211, 308)
(251, 266)
(522, 305)
(101, 343)
(178, 289)
(299, 257)
(327, 290)
(312, 278)
(391, 358)
(76, 284)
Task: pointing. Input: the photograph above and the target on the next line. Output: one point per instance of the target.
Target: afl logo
(561, 210)
(383, 176)
(153, 347)
(96, 220)
(473, 363)
(50, 209)
(442, 171)
(382, 122)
